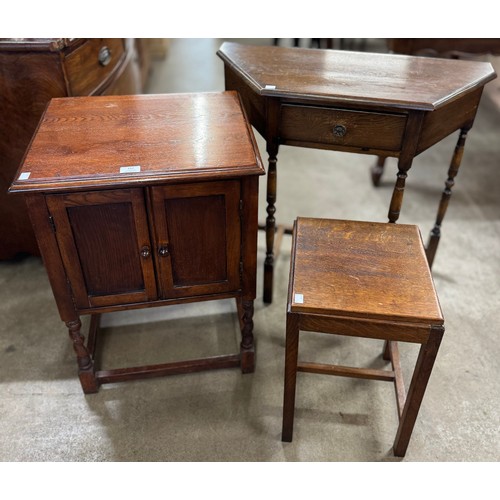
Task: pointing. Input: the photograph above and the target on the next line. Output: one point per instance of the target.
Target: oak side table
(380, 104)
(141, 201)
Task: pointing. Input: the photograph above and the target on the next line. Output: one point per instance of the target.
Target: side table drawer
(89, 65)
(333, 126)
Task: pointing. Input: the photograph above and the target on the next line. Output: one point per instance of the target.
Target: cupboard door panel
(108, 232)
(198, 255)
(199, 225)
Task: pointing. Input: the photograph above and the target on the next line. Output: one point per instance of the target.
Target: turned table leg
(397, 195)
(272, 149)
(445, 198)
(84, 359)
(412, 133)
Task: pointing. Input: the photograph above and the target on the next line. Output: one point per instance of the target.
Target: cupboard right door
(197, 238)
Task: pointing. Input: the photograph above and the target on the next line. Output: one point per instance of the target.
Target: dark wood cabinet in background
(141, 201)
(444, 47)
(34, 70)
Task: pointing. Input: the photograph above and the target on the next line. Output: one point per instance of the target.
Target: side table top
(107, 141)
(387, 80)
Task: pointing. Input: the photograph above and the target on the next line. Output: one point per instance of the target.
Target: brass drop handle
(145, 252)
(339, 130)
(163, 251)
(104, 56)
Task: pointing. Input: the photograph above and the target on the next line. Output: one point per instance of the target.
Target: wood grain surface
(86, 141)
(363, 269)
(341, 76)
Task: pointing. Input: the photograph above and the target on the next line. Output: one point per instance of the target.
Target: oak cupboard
(141, 201)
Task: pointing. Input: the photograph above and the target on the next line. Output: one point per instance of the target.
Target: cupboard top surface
(106, 141)
(387, 80)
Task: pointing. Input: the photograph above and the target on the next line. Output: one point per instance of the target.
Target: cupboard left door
(105, 246)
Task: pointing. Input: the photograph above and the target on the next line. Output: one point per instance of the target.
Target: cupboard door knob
(145, 252)
(104, 56)
(163, 251)
(339, 130)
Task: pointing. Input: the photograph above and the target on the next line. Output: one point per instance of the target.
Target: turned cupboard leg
(445, 198)
(83, 358)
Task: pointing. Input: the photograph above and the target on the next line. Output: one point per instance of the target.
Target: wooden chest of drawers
(32, 71)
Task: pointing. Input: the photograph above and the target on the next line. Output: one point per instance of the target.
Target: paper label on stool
(129, 170)
(299, 298)
(270, 87)
(24, 176)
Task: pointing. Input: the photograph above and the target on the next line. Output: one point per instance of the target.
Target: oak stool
(362, 279)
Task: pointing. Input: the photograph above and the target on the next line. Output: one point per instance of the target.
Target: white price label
(129, 170)
(299, 298)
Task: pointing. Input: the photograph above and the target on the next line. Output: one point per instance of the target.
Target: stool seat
(341, 267)
(362, 279)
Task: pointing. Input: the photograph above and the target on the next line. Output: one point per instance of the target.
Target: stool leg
(291, 356)
(421, 374)
(386, 353)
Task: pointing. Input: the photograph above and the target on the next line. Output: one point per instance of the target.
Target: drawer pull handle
(339, 130)
(104, 56)
(163, 251)
(145, 252)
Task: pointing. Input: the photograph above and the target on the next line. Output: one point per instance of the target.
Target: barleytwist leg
(83, 358)
(247, 347)
(445, 197)
(270, 223)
